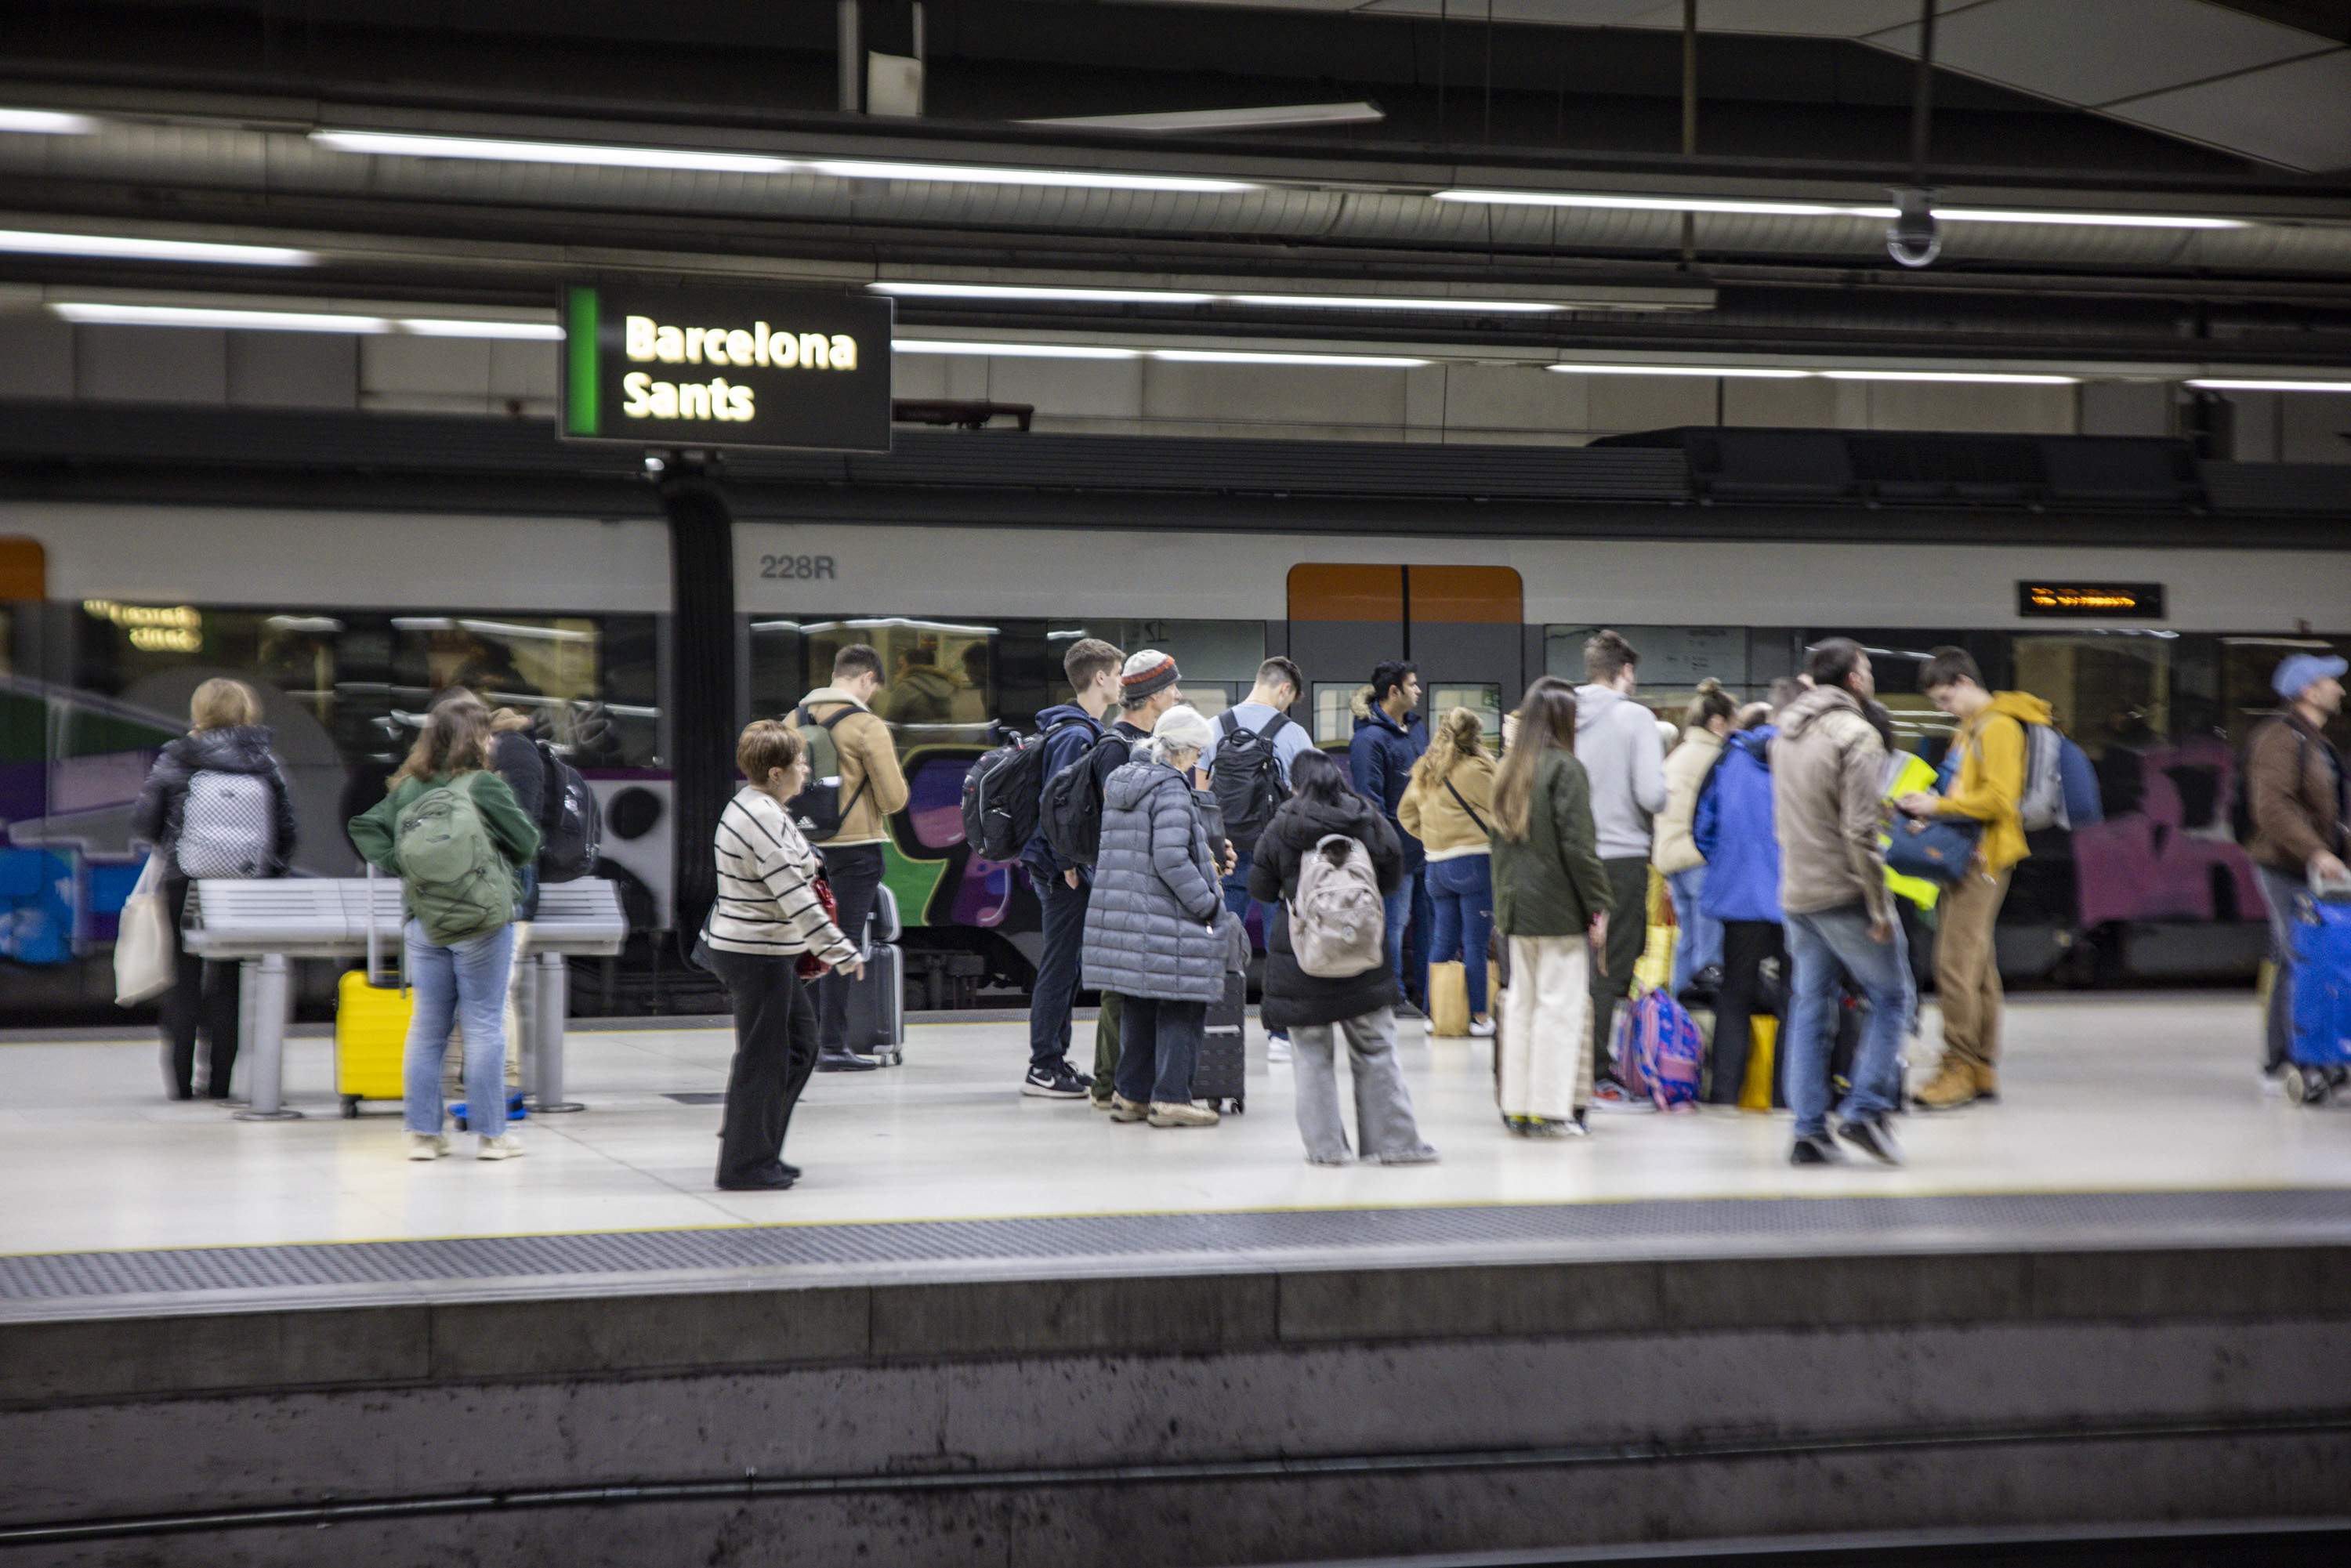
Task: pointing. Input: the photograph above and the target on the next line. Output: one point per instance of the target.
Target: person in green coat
(457, 963)
(1551, 905)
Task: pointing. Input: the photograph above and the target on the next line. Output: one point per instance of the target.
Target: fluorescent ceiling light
(1009, 350)
(1271, 119)
(1243, 357)
(1989, 377)
(133, 247)
(47, 122)
(519, 331)
(404, 145)
(983, 175)
(2218, 383)
(1040, 291)
(1665, 204)
(101, 313)
(1753, 372)
(2093, 220)
(1384, 302)
(204, 316)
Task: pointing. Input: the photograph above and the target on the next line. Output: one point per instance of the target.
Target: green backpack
(457, 882)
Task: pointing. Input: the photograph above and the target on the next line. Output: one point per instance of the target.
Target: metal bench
(262, 924)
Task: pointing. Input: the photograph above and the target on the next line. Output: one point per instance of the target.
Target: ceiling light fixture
(1249, 357)
(1011, 350)
(109, 314)
(1385, 302)
(133, 247)
(1741, 207)
(2231, 383)
(47, 122)
(1755, 372)
(985, 175)
(2090, 220)
(1041, 291)
(1985, 378)
(402, 144)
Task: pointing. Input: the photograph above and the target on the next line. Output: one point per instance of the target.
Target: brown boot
(1987, 1084)
(1953, 1087)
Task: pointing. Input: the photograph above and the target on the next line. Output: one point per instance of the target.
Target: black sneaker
(1058, 1082)
(1873, 1138)
(845, 1062)
(1817, 1150)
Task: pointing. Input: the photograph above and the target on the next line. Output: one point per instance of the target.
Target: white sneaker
(2273, 1083)
(426, 1146)
(1481, 1029)
(1277, 1048)
(504, 1146)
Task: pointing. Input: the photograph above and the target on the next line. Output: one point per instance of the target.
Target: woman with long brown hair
(1550, 904)
(453, 833)
(1450, 807)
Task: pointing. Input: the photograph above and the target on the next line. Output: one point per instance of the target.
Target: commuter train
(347, 622)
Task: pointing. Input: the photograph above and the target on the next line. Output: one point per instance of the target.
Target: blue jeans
(1064, 908)
(466, 980)
(1462, 890)
(1408, 908)
(1158, 1046)
(1701, 946)
(1821, 945)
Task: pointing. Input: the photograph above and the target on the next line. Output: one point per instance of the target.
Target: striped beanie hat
(1145, 673)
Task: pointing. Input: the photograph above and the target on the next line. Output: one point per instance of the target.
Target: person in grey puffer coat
(1153, 925)
(243, 827)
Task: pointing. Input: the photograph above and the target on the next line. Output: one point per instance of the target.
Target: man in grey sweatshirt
(1617, 742)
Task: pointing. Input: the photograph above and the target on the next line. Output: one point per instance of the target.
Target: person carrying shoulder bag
(1448, 806)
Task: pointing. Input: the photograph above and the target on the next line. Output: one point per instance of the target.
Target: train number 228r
(803, 566)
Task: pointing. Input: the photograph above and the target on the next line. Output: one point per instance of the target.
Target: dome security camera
(1914, 240)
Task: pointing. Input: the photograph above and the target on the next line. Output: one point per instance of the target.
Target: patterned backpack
(1659, 1053)
(227, 826)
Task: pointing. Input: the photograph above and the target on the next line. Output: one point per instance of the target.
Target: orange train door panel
(23, 570)
(1462, 624)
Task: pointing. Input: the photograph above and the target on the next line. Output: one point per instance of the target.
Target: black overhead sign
(2067, 600)
(730, 368)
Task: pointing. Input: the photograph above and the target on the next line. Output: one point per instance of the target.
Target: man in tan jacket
(871, 789)
(1826, 768)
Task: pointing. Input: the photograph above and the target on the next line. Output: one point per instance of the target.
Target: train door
(1461, 625)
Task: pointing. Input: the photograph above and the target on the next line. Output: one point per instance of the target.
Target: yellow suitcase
(372, 1011)
(1762, 1045)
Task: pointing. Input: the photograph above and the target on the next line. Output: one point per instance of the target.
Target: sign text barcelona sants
(726, 367)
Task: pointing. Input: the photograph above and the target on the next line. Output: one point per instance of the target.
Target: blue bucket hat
(2298, 673)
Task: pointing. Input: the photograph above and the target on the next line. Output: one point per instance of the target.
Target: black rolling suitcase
(1220, 1076)
(876, 1024)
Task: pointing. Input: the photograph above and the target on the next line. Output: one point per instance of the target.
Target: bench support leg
(262, 1004)
(551, 1003)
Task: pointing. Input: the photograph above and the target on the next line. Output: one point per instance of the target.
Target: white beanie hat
(1180, 726)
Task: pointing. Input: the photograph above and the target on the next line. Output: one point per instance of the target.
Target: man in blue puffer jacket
(1389, 739)
(1734, 830)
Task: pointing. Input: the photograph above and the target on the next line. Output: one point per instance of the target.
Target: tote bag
(146, 956)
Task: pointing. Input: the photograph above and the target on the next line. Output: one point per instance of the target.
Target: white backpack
(227, 826)
(1338, 926)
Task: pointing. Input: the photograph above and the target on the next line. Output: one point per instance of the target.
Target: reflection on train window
(2246, 696)
(1674, 659)
(1485, 701)
(1334, 712)
(550, 668)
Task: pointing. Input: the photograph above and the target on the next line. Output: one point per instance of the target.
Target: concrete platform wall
(1244, 1418)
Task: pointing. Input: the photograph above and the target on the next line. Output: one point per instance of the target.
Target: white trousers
(1545, 1035)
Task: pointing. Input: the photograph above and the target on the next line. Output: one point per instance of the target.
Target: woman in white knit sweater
(1687, 767)
(768, 915)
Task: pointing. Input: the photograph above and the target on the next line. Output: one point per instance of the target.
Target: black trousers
(775, 1051)
(1062, 909)
(1746, 945)
(1628, 933)
(205, 995)
(855, 873)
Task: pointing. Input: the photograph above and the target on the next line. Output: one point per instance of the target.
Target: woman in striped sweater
(768, 915)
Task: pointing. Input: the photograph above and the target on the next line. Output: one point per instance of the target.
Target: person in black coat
(1317, 1009)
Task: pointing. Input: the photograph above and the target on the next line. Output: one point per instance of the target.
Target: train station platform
(985, 1325)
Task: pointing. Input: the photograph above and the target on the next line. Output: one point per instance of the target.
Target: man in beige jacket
(1827, 764)
(872, 789)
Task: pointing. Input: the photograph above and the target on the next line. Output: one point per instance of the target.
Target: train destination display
(726, 367)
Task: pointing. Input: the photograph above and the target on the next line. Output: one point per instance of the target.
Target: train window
(1673, 660)
(1334, 712)
(1485, 701)
(553, 668)
(2247, 663)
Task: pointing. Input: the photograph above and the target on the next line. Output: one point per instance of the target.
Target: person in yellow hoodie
(1988, 785)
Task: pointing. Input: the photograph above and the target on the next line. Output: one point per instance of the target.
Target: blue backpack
(1660, 1054)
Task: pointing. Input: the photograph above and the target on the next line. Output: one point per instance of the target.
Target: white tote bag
(146, 954)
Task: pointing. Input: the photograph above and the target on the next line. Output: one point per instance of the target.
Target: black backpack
(1245, 777)
(1071, 813)
(1002, 795)
(571, 823)
(818, 808)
